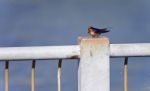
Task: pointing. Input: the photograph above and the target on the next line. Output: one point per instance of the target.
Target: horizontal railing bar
(40, 52)
(133, 50)
(70, 52)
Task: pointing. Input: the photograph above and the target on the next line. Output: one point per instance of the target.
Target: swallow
(95, 32)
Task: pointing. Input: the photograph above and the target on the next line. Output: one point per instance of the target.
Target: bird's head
(89, 29)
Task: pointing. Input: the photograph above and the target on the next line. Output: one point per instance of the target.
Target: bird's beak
(88, 31)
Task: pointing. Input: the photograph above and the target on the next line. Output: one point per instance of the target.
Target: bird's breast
(92, 33)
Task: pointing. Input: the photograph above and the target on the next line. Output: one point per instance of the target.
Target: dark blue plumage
(103, 30)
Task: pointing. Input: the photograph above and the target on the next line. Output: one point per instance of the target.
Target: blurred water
(47, 22)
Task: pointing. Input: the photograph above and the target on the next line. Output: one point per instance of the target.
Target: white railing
(94, 55)
(41, 52)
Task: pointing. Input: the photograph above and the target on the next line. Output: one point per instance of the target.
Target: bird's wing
(103, 30)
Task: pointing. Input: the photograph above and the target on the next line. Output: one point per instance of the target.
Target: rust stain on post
(101, 40)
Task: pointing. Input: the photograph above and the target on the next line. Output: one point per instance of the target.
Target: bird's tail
(108, 28)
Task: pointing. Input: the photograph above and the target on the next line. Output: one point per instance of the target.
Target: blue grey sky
(61, 22)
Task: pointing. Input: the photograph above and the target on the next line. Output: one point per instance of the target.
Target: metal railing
(94, 55)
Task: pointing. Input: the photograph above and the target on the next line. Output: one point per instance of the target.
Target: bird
(95, 32)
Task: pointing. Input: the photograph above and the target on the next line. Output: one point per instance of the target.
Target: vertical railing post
(33, 76)
(7, 75)
(59, 74)
(126, 74)
(94, 68)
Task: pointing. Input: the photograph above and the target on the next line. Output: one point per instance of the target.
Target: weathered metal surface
(59, 75)
(94, 65)
(136, 49)
(33, 76)
(41, 52)
(7, 76)
(70, 52)
(126, 74)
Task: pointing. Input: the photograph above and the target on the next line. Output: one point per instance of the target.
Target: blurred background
(61, 22)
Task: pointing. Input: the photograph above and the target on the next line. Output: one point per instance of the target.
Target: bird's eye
(88, 31)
